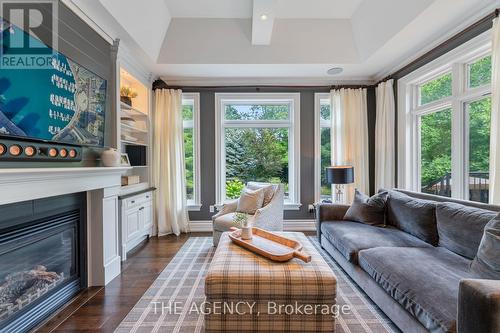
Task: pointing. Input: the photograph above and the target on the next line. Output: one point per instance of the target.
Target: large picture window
(258, 140)
(190, 122)
(444, 124)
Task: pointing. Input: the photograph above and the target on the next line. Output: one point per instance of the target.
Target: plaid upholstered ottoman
(249, 293)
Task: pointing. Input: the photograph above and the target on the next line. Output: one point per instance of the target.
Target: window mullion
(457, 130)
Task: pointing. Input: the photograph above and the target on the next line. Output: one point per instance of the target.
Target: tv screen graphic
(62, 102)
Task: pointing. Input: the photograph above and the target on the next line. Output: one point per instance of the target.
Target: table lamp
(340, 175)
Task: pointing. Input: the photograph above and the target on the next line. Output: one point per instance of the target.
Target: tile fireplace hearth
(42, 260)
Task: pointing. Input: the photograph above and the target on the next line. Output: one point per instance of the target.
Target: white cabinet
(136, 220)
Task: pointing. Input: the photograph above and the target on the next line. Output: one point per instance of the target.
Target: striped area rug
(174, 301)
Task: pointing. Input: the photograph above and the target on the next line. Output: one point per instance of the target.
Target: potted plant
(245, 225)
(126, 95)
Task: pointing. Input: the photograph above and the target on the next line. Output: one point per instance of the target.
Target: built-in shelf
(127, 109)
(133, 129)
(137, 143)
(135, 136)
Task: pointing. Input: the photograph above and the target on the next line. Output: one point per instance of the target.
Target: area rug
(173, 302)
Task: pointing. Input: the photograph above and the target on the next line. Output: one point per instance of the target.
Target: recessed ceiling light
(263, 17)
(335, 71)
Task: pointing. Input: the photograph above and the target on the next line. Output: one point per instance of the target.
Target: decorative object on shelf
(340, 175)
(269, 245)
(110, 157)
(128, 121)
(124, 161)
(126, 95)
(130, 180)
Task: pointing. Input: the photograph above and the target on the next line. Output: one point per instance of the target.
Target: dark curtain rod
(160, 84)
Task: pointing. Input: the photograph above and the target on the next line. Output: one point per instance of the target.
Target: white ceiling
(226, 42)
(243, 8)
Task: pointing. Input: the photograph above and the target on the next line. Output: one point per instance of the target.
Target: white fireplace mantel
(102, 185)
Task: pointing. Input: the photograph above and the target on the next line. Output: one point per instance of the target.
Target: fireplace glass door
(35, 261)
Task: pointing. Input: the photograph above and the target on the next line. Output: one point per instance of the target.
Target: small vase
(110, 158)
(246, 233)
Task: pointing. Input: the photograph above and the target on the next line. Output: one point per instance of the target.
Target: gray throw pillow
(486, 264)
(368, 210)
(460, 228)
(250, 201)
(412, 215)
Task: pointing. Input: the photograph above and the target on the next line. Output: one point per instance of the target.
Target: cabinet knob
(142, 208)
(133, 201)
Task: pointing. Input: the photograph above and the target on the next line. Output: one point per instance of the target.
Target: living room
(250, 166)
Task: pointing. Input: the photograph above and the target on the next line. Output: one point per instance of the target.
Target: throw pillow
(460, 227)
(269, 190)
(412, 215)
(486, 264)
(250, 201)
(368, 210)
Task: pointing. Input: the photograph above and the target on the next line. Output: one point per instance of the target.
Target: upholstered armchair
(269, 217)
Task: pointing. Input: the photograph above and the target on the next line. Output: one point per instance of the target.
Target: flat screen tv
(62, 102)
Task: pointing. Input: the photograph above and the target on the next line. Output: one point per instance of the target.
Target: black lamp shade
(341, 174)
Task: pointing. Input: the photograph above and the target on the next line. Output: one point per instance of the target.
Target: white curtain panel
(168, 163)
(349, 136)
(384, 136)
(495, 117)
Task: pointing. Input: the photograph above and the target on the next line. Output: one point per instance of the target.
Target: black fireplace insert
(42, 258)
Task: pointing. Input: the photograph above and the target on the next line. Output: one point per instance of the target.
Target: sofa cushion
(412, 215)
(486, 264)
(368, 210)
(350, 237)
(423, 280)
(460, 228)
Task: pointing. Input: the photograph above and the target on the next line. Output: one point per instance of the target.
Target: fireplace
(42, 258)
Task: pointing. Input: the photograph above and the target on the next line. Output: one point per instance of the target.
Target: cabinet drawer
(138, 200)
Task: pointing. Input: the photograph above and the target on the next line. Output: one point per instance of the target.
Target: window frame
(292, 123)
(410, 111)
(194, 204)
(318, 125)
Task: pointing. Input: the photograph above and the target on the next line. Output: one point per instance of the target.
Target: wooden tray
(270, 245)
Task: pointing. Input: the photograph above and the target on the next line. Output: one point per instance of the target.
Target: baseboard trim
(288, 225)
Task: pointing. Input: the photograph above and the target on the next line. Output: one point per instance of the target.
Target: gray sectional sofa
(416, 267)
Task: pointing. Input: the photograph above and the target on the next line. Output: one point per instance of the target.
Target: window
(322, 117)
(190, 123)
(258, 140)
(435, 89)
(446, 108)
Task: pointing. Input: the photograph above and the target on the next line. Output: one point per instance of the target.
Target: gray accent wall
(79, 42)
(207, 144)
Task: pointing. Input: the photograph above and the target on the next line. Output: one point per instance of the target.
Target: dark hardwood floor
(101, 309)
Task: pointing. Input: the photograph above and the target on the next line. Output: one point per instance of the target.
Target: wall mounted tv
(61, 102)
